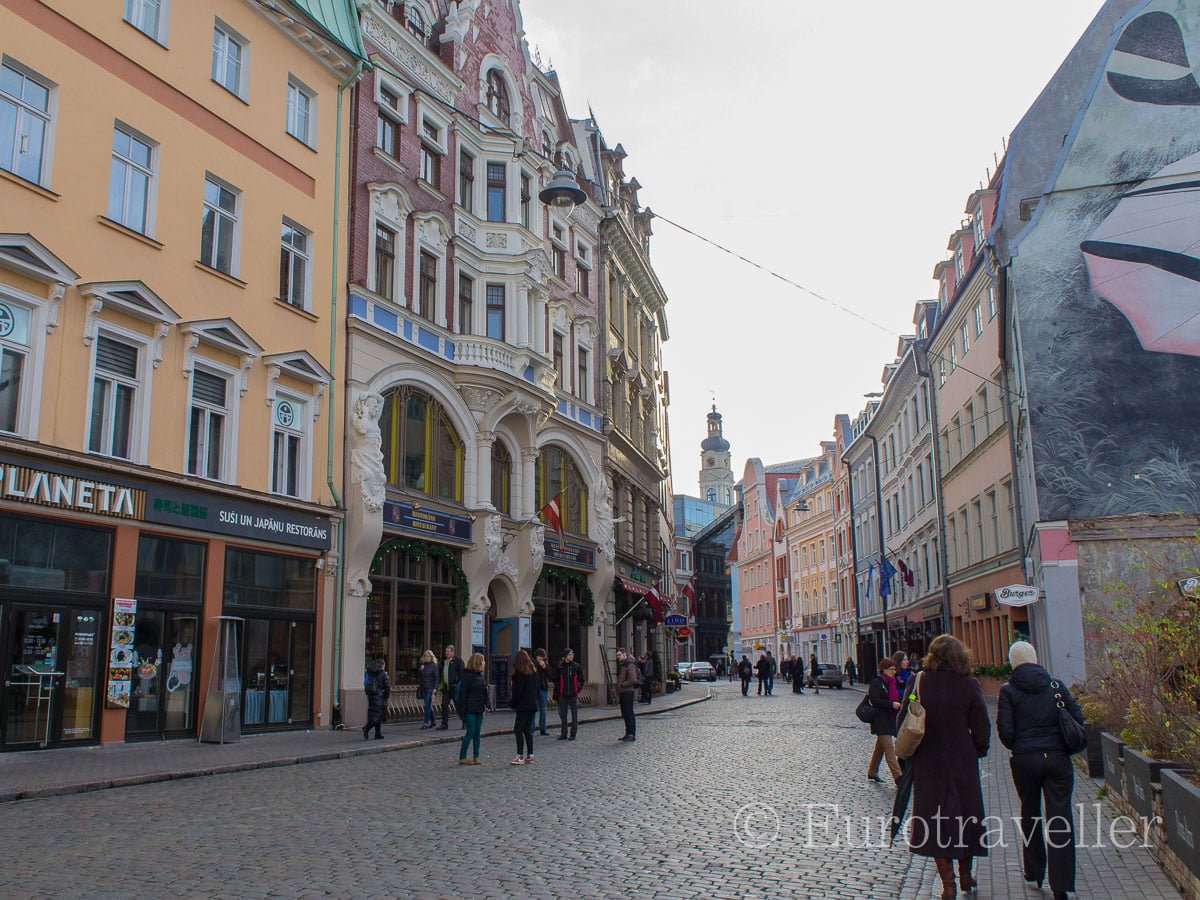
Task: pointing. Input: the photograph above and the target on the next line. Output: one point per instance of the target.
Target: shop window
(421, 450)
(557, 474)
(412, 608)
(169, 569)
(501, 478)
(558, 618)
(255, 578)
(162, 695)
(36, 554)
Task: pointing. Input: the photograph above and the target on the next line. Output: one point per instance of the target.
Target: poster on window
(526, 631)
(121, 654)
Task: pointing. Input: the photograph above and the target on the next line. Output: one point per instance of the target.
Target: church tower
(716, 471)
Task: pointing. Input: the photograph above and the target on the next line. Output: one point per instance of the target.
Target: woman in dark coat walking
(378, 688)
(524, 699)
(884, 695)
(814, 672)
(947, 809)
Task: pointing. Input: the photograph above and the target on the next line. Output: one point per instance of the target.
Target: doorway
(162, 700)
(277, 662)
(51, 659)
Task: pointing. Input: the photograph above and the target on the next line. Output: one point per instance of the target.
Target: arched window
(712, 495)
(421, 450)
(557, 475)
(497, 95)
(414, 21)
(501, 478)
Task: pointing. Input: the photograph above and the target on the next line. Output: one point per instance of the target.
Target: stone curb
(85, 787)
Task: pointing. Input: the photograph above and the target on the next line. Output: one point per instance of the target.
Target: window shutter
(209, 388)
(116, 357)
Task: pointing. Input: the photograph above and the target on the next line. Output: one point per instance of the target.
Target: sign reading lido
(675, 619)
(1017, 595)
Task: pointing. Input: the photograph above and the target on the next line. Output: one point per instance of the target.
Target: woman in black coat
(884, 695)
(524, 699)
(947, 807)
(1027, 723)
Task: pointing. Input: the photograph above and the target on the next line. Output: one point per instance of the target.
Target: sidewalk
(51, 773)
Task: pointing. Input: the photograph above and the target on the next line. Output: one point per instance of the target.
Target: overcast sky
(835, 143)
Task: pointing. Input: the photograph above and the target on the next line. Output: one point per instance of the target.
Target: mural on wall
(1108, 285)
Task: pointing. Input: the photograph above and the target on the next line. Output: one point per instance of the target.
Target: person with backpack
(378, 688)
(629, 679)
(647, 669)
(473, 700)
(567, 685)
(745, 672)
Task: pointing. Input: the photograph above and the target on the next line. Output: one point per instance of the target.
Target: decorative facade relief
(366, 453)
(494, 540)
(496, 240)
(537, 545)
(480, 400)
(602, 499)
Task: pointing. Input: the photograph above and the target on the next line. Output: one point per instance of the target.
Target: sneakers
(529, 759)
(464, 762)
(476, 762)
(518, 761)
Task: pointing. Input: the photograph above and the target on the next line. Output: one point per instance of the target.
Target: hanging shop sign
(206, 512)
(122, 655)
(427, 522)
(979, 602)
(576, 556)
(675, 619)
(683, 633)
(1017, 595)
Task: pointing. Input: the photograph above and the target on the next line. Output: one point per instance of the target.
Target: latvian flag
(552, 514)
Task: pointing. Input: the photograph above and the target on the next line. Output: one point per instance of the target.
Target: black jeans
(447, 700)
(745, 686)
(762, 684)
(627, 712)
(523, 729)
(566, 704)
(1049, 837)
(646, 688)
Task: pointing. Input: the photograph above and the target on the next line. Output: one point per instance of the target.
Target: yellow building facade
(170, 317)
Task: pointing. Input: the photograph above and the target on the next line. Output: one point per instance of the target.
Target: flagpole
(629, 611)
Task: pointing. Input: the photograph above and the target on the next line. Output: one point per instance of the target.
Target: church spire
(716, 471)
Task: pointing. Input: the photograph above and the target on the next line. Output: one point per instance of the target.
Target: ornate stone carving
(160, 335)
(467, 230)
(537, 545)
(366, 453)
(382, 36)
(480, 400)
(602, 502)
(91, 325)
(496, 240)
(493, 538)
(458, 20)
(432, 233)
(55, 296)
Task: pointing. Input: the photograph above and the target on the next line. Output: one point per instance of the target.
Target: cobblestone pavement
(590, 818)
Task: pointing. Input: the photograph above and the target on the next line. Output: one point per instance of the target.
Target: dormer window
(415, 22)
(977, 229)
(497, 95)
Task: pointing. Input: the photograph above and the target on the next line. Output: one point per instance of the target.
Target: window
(977, 509)
(24, 123)
(558, 475)
(15, 334)
(941, 372)
(129, 181)
(415, 22)
(991, 302)
(207, 418)
(956, 427)
(466, 181)
(387, 134)
(965, 338)
(228, 59)
(287, 448)
(218, 229)
(293, 266)
(984, 413)
(427, 290)
(958, 264)
(495, 311)
(114, 398)
(385, 262)
(526, 216)
(431, 159)
(560, 375)
(953, 358)
(994, 512)
(581, 385)
(978, 319)
(496, 192)
(301, 107)
(145, 16)
(501, 478)
(466, 304)
(497, 95)
(583, 269)
(421, 450)
(971, 421)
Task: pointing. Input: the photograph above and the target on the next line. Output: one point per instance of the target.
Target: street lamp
(563, 192)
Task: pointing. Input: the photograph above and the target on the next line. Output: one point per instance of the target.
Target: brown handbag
(912, 728)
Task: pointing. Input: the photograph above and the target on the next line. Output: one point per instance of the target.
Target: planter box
(1181, 818)
(1094, 754)
(672, 686)
(1110, 751)
(1142, 772)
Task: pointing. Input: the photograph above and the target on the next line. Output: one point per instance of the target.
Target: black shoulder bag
(1073, 735)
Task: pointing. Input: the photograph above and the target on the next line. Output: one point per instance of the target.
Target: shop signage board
(46, 488)
(424, 521)
(525, 630)
(1017, 595)
(979, 602)
(575, 556)
(675, 619)
(122, 655)
(477, 629)
(187, 509)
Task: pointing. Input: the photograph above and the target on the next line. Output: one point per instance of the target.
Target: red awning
(632, 587)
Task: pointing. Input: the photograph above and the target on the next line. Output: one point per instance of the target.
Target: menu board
(121, 653)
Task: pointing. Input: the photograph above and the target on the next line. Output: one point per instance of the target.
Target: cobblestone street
(593, 818)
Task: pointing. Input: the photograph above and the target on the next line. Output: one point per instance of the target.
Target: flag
(906, 572)
(870, 578)
(886, 571)
(552, 513)
(655, 602)
(689, 590)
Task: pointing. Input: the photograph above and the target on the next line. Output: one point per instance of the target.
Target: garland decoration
(417, 550)
(578, 580)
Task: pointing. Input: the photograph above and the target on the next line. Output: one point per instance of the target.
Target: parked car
(831, 675)
(703, 670)
(684, 670)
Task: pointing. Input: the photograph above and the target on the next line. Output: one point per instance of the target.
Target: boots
(966, 881)
(945, 869)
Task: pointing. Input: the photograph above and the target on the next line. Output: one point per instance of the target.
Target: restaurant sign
(45, 488)
(426, 522)
(1017, 595)
(235, 517)
(979, 602)
(577, 556)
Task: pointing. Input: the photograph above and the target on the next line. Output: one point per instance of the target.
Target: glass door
(162, 699)
(278, 665)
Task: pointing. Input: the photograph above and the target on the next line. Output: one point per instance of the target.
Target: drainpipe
(882, 545)
(854, 563)
(340, 591)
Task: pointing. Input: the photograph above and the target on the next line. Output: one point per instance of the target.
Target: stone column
(483, 479)
(523, 313)
(529, 456)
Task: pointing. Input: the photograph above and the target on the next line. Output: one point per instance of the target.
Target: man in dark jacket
(647, 667)
(745, 673)
(567, 684)
(763, 668)
(452, 669)
(378, 688)
(773, 667)
(627, 684)
(814, 672)
(1027, 721)
(851, 670)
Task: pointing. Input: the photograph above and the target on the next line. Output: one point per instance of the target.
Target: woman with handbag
(945, 736)
(427, 682)
(524, 699)
(1029, 722)
(883, 693)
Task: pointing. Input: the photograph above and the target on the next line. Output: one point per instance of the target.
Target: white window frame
(229, 441)
(140, 418)
(49, 116)
(306, 255)
(134, 15)
(560, 241)
(583, 264)
(151, 172)
(305, 132)
(978, 313)
(390, 207)
(235, 256)
(583, 391)
(230, 35)
(28, 411)
(304, 433)
(991, 302)
(423, 226)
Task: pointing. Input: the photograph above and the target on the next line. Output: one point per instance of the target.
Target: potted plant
(1181, 817)
(1111, 750)
(1142, 775)
(672, 682)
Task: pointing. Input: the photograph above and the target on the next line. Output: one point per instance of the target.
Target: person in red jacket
(567, 685)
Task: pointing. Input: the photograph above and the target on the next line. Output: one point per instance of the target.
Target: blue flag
(886, 571)
(870, 578)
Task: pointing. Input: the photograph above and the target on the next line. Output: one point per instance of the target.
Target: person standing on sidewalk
(903, 672)
(568, 683)
(772, 668)
(814, 669)
(378, 688)
(427, 682)
(785, 667)
(545, 676)
(452, 669)
(524, 700)
(473, 701)
(1027, 723)
(851, 670)
(647, 667)
(884, 695)
(763, 668)
(745, 673)
(627, 685)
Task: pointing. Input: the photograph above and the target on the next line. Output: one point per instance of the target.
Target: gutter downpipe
(882, 546)
(340, 591)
